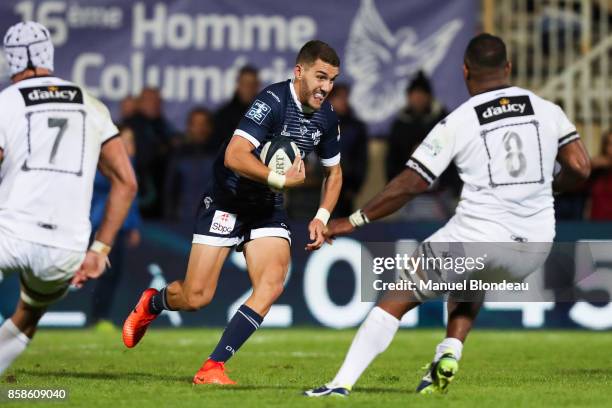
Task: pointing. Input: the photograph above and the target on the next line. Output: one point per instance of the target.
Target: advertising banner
(192, 50)
(326, 287)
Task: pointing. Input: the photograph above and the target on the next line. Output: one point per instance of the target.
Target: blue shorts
(229, 225)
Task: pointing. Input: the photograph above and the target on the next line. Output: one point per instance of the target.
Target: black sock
(159, 303)
(238, 330)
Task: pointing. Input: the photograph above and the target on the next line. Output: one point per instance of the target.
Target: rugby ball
(279, 153)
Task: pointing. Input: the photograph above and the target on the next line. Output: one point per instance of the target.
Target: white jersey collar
(304, 109)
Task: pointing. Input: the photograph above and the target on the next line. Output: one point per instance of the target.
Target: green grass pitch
(499, 368)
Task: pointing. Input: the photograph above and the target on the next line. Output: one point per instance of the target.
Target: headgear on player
(27, 45)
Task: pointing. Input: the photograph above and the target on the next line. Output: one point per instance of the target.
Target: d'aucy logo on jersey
(504, 107)
(258, 111)
(51, 94)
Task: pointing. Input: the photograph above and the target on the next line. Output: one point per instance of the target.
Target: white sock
(12, 343)
(372, 338)
(449, 343)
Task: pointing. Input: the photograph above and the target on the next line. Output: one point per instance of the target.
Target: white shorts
(45, 272)
(502, 260)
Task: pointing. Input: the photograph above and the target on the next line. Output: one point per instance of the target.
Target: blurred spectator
(127, 108)
(199, 133)
(601, 182)
(421, 113)
(128, 237)
(413, 123)
(153, 138)
(353, 150)
(228, 116)
(190, 166)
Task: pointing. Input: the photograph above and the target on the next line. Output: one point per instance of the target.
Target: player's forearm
(575, 167)
(246, 165)
(401, 189)
(117, 207)
(330, 189)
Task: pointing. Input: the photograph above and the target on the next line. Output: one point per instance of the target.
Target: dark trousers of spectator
(106, 285)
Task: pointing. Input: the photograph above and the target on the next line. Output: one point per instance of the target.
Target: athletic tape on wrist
(358, 218)
(103, 249)
(276, 180)
(100, 247)
(322, 215)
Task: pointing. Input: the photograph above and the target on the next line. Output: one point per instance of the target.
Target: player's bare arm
(575, 167)
(403, 188)
(115, 164)
(240, 159)
(330, 191)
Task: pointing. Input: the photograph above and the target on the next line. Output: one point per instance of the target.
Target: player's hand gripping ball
(279, 153)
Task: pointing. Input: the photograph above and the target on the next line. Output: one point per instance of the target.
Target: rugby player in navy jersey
(241, 208)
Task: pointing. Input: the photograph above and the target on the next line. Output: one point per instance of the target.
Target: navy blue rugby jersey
(276, 112)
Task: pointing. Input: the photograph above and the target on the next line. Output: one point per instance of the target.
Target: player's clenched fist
(92, 267)
(317, 229)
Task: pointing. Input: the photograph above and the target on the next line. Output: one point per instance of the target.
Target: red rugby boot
(136, 324)
(212, 372)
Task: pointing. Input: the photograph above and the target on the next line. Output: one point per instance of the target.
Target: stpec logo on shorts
(223, 223)
(506, 107)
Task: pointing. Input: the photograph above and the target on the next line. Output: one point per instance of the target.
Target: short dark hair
(419, 82)
(248, 69)
(199, 110)
(314, 50)
(486, 51)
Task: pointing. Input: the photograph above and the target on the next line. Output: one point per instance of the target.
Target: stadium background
(192, 52)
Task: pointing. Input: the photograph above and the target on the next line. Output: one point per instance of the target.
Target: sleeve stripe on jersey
(248, 137)
(421, 170)
(332, 161)
(570, 137)
(110, 138)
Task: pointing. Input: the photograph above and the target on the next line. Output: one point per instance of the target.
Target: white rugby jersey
(51, 132)
(504, 143)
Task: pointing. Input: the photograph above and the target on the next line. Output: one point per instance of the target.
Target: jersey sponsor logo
(316, 136)
(285, 132)
(51, 94)
(258, 111)
(303, 130)
(505, 107)
(273, 95)
(433, 147)
(223, 223)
